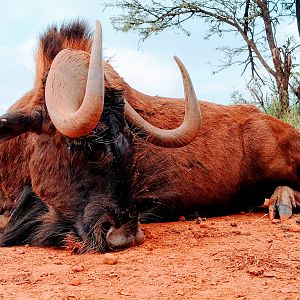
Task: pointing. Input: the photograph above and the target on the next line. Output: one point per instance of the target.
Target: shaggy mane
(75, 35)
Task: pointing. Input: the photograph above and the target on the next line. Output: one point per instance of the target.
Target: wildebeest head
(79, 147)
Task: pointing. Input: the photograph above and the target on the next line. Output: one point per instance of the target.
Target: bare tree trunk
(282, 66)
(283, 72)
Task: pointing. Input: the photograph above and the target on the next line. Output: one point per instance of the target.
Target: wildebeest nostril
(105, 227)
(118, 238)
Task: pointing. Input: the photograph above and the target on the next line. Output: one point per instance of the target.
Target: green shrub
(291, 117)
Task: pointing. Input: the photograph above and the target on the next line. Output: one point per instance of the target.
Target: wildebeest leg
(32, 223)
(283, 200)
(52, 230)
(24, 219)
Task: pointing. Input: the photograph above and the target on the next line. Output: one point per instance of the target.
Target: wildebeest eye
(93, 141)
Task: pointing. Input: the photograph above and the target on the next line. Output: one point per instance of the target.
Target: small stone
(77, 269)
(75, 282)
(275, 221)
(233, 224)
(203, 225)
(109, 259)
(257, 271)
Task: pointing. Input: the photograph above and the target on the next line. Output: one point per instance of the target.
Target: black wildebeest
(65, 173)
(239, 158)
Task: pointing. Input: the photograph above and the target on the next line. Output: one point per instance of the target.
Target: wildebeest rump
(64, 172)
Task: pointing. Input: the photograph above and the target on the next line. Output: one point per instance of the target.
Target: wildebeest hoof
(284, 211)
(282, 202)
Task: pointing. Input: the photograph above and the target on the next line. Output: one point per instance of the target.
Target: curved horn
(74, 89)
(190, 126)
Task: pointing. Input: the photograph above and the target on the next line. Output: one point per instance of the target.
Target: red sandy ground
(235, 257)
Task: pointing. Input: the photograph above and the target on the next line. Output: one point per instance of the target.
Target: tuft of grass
(292, 118)
(271, 106)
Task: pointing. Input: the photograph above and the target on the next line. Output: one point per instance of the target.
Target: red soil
(235, 257)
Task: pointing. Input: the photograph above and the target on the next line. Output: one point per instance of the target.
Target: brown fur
(238, 159)
(82, 180)
(54, 40)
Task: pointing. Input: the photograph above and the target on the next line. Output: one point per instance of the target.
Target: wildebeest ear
(15, 123)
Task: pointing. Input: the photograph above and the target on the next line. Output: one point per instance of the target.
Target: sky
(148, 66)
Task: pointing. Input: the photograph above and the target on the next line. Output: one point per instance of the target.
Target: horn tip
(98, 24)
(179, 62)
